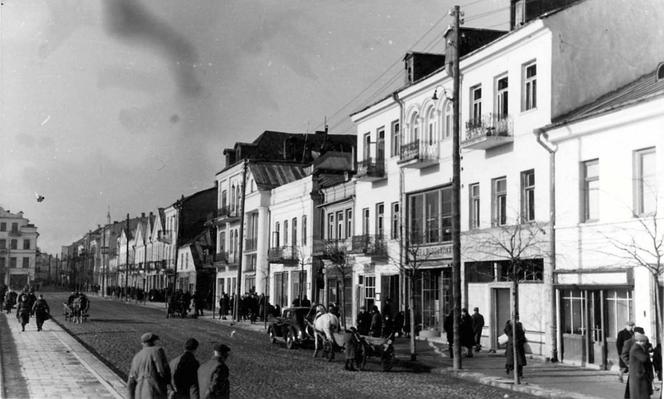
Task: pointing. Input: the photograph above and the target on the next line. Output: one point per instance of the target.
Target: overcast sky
(128, 104)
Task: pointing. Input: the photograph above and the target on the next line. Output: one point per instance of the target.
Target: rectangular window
(349, 223)
(367, 146)
(395, 221)
(276, 235)
(396, 138)
(14, 227)
(476, 105)
(304, 229)
(499, 201)
(365, 221)
(3, 243)
(446, 214)
(380, 219)
(26, 244)
(3, 226)
(380, 145)
(590, 190)
(224, 199)
(13, 244)
(12, 262)
(501, 97)
(528, 195)
(2, 263)
(474, 206)
(340, 225)
(369, 292)
(529, 86)
(299, 279)
(285, 233)
(26, 263)
(330, 226)
(222, 242)
(294, 232)
(430, 216)
(573, 305)
(645, 182)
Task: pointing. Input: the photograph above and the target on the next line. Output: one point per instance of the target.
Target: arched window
(448, 114)
(431, 128)
(414, 127)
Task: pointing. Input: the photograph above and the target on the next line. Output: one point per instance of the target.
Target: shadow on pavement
(15, 385)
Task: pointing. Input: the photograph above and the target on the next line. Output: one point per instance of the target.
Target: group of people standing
(639, 359)
(27, 304)
(250, 307)
(470, 331)
(152, 376)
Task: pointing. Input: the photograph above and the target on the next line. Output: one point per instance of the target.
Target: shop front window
(573, 305)
(618, 309)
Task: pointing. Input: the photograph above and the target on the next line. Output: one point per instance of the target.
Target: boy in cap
(213, 375)
(149, 374)
(184, 384)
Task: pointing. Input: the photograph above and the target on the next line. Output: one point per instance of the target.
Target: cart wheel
(290, 340)
(361, 357)
(387, 360)
(270, 333)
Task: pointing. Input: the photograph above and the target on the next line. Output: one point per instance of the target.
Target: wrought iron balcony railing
(489, 131)
(419, 153)
(371, 169)
(285, 254)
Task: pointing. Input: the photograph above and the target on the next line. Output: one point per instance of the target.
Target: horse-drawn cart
(365, 347)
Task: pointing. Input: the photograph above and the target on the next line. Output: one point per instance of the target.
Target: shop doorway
(502, 306)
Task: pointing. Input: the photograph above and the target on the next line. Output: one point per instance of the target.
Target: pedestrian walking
(363, 321)
(184, 383)
(376, 326)
(388, 318)
(624, 355)
(213, 375)
(150, 373)
(350, 347)
(41, 311)
(466, 332)
(640, 369)
(448, 325)
(23, 312)
(520, 348)
(624, 334)
(478, 325)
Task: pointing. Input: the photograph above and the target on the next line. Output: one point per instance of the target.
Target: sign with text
(434, 252)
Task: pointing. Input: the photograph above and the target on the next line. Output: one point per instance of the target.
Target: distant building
(18, 249)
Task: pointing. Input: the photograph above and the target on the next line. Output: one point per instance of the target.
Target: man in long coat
(185, 372)
(478, 325)
(624, 355)
(149, 374)
(640, 369)
(23, 312)
(623, 335)
(213, 375)
(41, 311)
(466, 332)
(520, 348)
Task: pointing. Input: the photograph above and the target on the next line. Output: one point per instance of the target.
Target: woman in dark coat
(23, 312)
(640, 369)
(350, 346)
(376, 323)
(41, 311)
(466, 332)
(520, 350)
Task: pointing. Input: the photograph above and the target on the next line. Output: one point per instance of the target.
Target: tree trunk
(343, 300)
(659, 317)
(411, 303)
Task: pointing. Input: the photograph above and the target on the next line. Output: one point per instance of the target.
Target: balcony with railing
(371, 170)
(286, 254)
(419, 154)
(220, 259)
(323, 247)
(226, 214)
(14, 233)
(370, 245)
(490, 131)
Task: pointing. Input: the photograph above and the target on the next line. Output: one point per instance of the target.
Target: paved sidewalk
(51, 364)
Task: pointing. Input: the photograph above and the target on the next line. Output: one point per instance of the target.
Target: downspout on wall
(402, 211)
(553, 331)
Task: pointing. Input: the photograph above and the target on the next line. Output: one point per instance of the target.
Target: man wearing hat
(213, 375)
(184, 383)
(624, 334)
(640, 369)
(150, 374)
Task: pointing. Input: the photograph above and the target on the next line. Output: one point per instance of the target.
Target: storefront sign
(434, 252)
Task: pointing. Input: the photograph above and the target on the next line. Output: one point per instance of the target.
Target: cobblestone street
(258, 369)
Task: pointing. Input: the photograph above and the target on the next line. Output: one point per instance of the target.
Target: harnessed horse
(325, 325)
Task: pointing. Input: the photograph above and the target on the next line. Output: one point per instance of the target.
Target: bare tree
(644, 246)
(340, 263)
(516, 244)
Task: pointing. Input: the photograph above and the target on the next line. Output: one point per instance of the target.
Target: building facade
(18, 249)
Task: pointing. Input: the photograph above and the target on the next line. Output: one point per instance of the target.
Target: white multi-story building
(518, 82)
(609, 187)
(18, 248)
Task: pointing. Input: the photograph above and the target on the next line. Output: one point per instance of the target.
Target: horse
(325, 325)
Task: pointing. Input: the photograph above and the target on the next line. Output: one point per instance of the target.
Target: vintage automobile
(291, 326)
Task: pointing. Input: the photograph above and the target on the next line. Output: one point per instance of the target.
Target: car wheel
(273, 337)
(290, 339)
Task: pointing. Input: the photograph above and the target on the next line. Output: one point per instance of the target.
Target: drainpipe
(402, 213)
(552, 334)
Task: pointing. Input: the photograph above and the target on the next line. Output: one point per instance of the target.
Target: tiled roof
(642, 89)
(268, 175)
(329, 180)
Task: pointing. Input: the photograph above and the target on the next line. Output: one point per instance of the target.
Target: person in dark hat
(150, 374)
(184, 384)
(41, 311)
(213, 375)
(640, 368)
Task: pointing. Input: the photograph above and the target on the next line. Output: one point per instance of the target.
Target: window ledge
(528, 111)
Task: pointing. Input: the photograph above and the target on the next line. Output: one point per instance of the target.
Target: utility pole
(456, 190)
(236, 302)
(126, 287)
